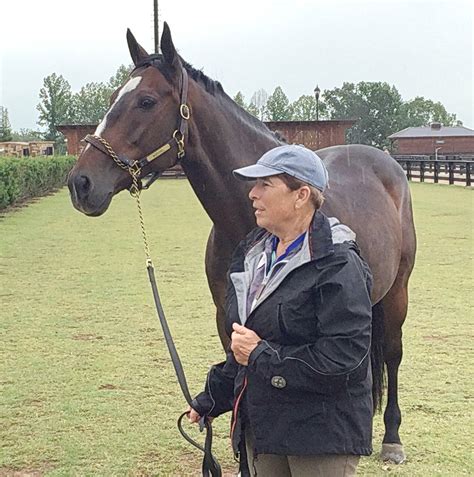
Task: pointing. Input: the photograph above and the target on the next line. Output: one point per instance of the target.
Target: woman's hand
(193, 416)
(244, 341)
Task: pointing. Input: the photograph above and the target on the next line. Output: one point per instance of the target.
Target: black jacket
(307, 387)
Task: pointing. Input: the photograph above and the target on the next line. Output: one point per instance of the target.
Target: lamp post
(156, 26)
(317, 91)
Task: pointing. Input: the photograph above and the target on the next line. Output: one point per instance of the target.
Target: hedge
(28, 177)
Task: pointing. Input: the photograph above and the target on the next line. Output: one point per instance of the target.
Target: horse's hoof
(393, 453)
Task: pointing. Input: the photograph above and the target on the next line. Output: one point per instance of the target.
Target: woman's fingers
(193, 416)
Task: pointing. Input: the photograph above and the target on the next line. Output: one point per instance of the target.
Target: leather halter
(177, 139)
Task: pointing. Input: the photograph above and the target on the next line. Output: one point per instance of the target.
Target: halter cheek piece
(135, 167)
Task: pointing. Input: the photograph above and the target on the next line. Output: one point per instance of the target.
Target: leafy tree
(304, 109)
(91, 103)
(55, 105)
(27, 135)
(5, 127)
(239, 99)
(253, 110)
(120, 77)
(376, 107)
(278, 106)
(259, 102)
(422, 112)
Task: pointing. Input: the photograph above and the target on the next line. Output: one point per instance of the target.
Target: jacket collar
(320, 237)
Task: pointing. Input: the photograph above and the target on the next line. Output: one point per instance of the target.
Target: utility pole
(156, 26)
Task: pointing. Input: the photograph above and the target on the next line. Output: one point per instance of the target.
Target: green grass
(87, 387)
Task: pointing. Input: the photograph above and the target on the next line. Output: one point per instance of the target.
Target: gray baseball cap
(296, 161)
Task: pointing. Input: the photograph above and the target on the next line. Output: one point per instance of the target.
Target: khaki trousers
(271, 465)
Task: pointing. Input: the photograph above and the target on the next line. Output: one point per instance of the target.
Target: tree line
(59, 105)
(377, 108)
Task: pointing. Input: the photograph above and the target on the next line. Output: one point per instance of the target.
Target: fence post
(468, 173)
(408, 170)
(451, 173)
(422, 171)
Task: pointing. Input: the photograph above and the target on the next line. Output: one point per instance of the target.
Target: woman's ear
(303, 196)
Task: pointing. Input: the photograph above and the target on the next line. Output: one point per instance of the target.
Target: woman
(297, 376)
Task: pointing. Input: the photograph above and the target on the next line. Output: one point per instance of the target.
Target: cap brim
(255, 171)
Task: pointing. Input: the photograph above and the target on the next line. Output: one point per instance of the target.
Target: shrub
(24, 178)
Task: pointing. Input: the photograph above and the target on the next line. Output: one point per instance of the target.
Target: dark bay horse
(368, 190)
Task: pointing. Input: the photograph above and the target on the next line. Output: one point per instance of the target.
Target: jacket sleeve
(218, 395)
(341, 353)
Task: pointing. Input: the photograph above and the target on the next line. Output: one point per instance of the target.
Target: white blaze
(129, 86)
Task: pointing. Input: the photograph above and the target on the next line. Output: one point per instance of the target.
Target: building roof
(17, 143)
(348, 122)
(430, 131)
(75, 126)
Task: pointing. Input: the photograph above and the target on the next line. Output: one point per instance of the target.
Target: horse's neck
(223, 138)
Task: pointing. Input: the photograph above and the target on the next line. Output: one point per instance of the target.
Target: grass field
(86, 384)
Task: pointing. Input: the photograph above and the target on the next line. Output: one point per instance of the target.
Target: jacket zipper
(236, 408)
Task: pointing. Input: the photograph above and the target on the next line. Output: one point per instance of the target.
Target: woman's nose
(252, 193)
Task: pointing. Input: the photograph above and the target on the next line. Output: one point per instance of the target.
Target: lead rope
(210, 465)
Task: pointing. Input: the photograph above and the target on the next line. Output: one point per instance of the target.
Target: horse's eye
(146, 103)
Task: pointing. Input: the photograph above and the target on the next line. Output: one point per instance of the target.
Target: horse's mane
(213, 87)
(158, 61)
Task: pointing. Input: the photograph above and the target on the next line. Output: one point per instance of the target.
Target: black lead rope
(210, 465)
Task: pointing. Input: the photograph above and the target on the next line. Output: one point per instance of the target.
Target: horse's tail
(376, 355)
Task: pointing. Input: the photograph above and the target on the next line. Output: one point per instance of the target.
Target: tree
(259, 102)
(120, 77)
(56, 105)
(5, 127)
(278, 106)
(422, 112)
(91, 103)
(376, 107)
(239, 99)
(253, 110)
(25, 135)
(304, 108)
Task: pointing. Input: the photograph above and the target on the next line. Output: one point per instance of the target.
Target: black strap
(210, 466)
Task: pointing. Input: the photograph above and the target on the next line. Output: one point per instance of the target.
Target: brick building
(435, 139)
(312, 134)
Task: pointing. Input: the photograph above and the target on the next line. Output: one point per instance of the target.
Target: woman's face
(274, 203)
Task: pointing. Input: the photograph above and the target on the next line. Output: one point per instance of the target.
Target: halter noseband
(135, 167)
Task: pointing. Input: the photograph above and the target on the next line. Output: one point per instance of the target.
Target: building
(312, 134)
(74, 134)
(27, 149)
(435, 139)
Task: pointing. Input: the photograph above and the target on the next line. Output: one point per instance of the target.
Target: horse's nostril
(82, 184)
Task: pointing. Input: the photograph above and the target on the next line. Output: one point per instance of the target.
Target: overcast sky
(422, 47)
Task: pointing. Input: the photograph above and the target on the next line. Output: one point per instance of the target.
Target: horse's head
(144, 115)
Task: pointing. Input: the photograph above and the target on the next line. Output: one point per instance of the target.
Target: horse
(169, 105)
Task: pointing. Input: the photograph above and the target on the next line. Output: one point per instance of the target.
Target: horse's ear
(137, 52)
(167, 48)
